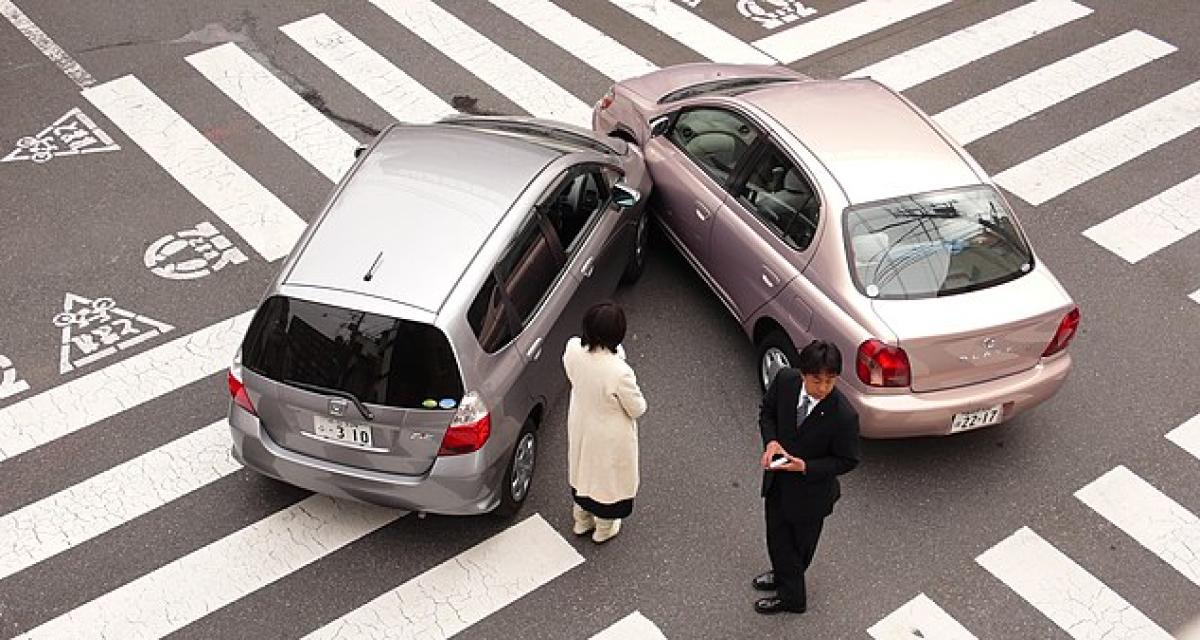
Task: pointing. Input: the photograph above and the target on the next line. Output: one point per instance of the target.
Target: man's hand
(773, 447)
(794, 464)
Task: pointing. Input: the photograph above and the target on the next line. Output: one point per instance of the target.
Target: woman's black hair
(603, 326)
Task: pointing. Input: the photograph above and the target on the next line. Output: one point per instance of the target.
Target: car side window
(779, 194)
(715, 139)
(528, 269)
(489, 317)
(574, 204)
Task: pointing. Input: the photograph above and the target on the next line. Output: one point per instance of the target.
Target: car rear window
(379, 359)
(558, 139)
(935, 244)
(724, 86)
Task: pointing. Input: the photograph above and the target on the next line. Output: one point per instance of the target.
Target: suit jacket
(827, 441)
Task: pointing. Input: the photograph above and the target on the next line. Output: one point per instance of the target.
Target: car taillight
(236, 388)
(1066, 331)
(470, 428)
(607, 100)
(882, 365)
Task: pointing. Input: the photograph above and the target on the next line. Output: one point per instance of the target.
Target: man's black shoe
(770, 606)
(764, 582)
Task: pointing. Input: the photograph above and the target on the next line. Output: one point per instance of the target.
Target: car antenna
(374, 265)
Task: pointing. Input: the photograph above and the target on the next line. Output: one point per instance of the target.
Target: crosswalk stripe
(260, 218)
(69, 407)
(693, 32)
(220, 573)
(1151, 225)
(519, 82)
(958, 49)
(1149, 516)
(1018, 99)
(919, 618)
(1195, 296)
(363, 68)
(77, 514)
(594, 47)
(314, 137)
(634, 626)
(840, 27)
(1187, 435)
(1064, 592)
(463, 590)
(1104, 148)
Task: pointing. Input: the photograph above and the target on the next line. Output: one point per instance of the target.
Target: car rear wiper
(362, 408)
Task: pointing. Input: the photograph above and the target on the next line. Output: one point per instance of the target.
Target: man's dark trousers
(790, 545)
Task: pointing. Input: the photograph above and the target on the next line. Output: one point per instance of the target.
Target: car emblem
(337, 406)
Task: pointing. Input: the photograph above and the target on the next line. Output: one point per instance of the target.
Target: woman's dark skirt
(614, 511)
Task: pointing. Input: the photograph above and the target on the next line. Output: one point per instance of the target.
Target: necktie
(802, 411)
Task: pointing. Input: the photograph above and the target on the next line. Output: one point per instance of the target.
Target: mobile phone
(778, 460)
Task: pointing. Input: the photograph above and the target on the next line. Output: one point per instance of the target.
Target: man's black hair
(603, 326)
(820, 357)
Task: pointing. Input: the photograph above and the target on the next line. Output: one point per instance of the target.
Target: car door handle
(702, 212)
(589, 265)
(535, 350)
(769, 278)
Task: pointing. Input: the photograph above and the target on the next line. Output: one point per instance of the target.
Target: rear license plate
(342, 431)
(975, 419)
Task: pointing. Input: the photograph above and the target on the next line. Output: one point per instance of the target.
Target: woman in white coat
(602, 444)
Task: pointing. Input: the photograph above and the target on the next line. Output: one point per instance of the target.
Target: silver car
(397, 358)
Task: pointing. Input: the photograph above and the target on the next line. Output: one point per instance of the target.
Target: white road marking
(1104, 148)
(840, 27)
(79, 513)
(10, 384)
(1149, 516)
(1153, 224)
(958, 49)
(213, 576)
(1187, 435)
(46, 44)
(592, 46)
(463, 590)
(1081, 605)
(266, 223)
(191, 253)
(386, 85)
(67, 408)
(1018, 99)
(96, 333)
(693, 32)
(72, 134)
(314, 137)
(519, 82)
(919, 618)
(1195, 296)
(634, 626)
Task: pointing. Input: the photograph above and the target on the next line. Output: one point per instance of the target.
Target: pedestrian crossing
(480, 581)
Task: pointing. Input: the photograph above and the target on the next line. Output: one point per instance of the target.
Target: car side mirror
(358, 151)
(625, 196)
(659, 125)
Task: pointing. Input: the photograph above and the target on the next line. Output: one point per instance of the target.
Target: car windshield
(935, 244)
(376, 359)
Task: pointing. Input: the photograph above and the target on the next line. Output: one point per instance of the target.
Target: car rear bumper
(930, 413)
(452, 487)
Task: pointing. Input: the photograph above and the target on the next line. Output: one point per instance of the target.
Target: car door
(692, 163)
(767, 238)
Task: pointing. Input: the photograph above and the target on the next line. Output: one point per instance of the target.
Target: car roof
(873, 142)
(416, 211)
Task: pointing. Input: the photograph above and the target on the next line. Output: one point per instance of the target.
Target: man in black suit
(810, 437)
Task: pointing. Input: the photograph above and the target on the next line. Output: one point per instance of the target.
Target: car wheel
(775, 351)
(637, 257)
(519, 476)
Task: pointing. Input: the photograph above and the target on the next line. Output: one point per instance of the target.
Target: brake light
(237, 389)
(607, 100)
(470, 428)
(1066, 331)
(882, 365)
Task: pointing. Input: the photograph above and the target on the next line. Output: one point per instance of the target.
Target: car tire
(518, 477)
(775, 351)
(637, 256)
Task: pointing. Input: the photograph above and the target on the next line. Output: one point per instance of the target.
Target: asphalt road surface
(119, 505)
